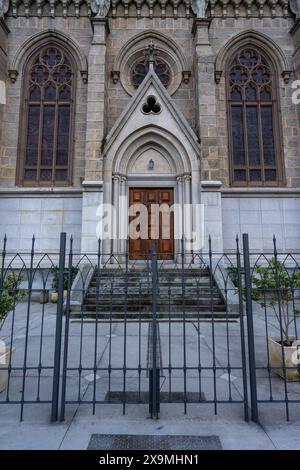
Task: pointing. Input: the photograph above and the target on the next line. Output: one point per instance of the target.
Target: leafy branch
(10, 295)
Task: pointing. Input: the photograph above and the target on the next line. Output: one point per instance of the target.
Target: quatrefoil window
(151, 106)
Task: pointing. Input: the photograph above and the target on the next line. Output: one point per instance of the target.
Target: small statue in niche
(295, 7)
(199, 8)
(100, 8)
(4, 6)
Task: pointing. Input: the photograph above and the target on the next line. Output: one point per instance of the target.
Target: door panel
(158, 225)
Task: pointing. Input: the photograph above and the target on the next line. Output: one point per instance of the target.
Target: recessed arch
(119, 161)
(133, 53)
(40, 39)
(254, 127)
(46, 128)
(150, 34)
(257, 39)
(163, 163)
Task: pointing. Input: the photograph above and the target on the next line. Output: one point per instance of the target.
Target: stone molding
(166, 48)
(38, 40)
(258, 39)
(151, 9)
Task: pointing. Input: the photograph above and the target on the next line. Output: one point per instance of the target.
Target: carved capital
(218, 75)
(115, 75)
(84, 75)
(186, 76)
(13, 75)
(286, 75)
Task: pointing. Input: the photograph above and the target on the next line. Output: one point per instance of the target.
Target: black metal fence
(207, 329)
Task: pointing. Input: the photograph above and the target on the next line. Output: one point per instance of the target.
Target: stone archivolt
(152, 8)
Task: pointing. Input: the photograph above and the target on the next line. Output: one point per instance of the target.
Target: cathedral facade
(149, 101)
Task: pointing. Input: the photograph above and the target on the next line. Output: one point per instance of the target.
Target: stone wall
(262, 216)
(43, 215)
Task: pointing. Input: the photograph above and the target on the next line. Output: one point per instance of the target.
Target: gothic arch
(258, 39)
(169, 43)
(37, 41)
(119, 161)
(168, 50)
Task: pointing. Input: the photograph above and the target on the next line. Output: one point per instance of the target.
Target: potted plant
(284, 348)
(10, 295)
(55, 280)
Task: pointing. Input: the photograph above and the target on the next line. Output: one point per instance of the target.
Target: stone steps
(110, 286)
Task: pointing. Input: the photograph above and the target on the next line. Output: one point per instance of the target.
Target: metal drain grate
(165, 397)
(149, 442)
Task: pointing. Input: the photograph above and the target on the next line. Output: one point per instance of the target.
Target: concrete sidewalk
(36, 431)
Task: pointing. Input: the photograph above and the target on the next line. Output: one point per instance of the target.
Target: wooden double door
(158, 225)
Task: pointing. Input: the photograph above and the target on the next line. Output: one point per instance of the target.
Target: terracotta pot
(276, 358)
(5, 357)
(53, 297)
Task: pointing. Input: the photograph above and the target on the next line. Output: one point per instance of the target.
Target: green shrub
(55, 271)
(273, 286)
(10, 294)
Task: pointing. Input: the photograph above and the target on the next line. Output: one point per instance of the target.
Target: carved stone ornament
(4, 6)
(295, 7)
(199, 8)
(100, 8)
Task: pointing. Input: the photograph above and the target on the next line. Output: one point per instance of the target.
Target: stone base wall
(44, 216)
(262, 217)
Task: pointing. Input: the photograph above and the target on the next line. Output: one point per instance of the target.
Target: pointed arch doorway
(155, 151)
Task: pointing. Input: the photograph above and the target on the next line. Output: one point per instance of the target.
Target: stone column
(96, 101)
(116, 181)
(188, 222)
(212, 200)
(123, 214)
(93, 183)
(206, 99)
(179, 215)
(92, 198)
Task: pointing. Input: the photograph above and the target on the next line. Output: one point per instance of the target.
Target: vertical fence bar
(212, 308)
(250, 329)
(3, 265)
(183, 294)
(58, 328)
(278, 288)
(154, 374)
(98, 281)
(66, 340)
(125, 325)
(30, 282)
(242, 329)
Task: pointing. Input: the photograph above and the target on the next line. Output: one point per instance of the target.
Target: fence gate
(153, 333)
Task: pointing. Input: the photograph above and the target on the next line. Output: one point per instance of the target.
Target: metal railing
(199, 331)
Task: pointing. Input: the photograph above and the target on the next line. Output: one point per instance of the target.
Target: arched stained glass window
(48, 114)
(253, 120)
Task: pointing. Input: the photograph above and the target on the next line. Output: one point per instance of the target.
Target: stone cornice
(153, 8)
(260, 192)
